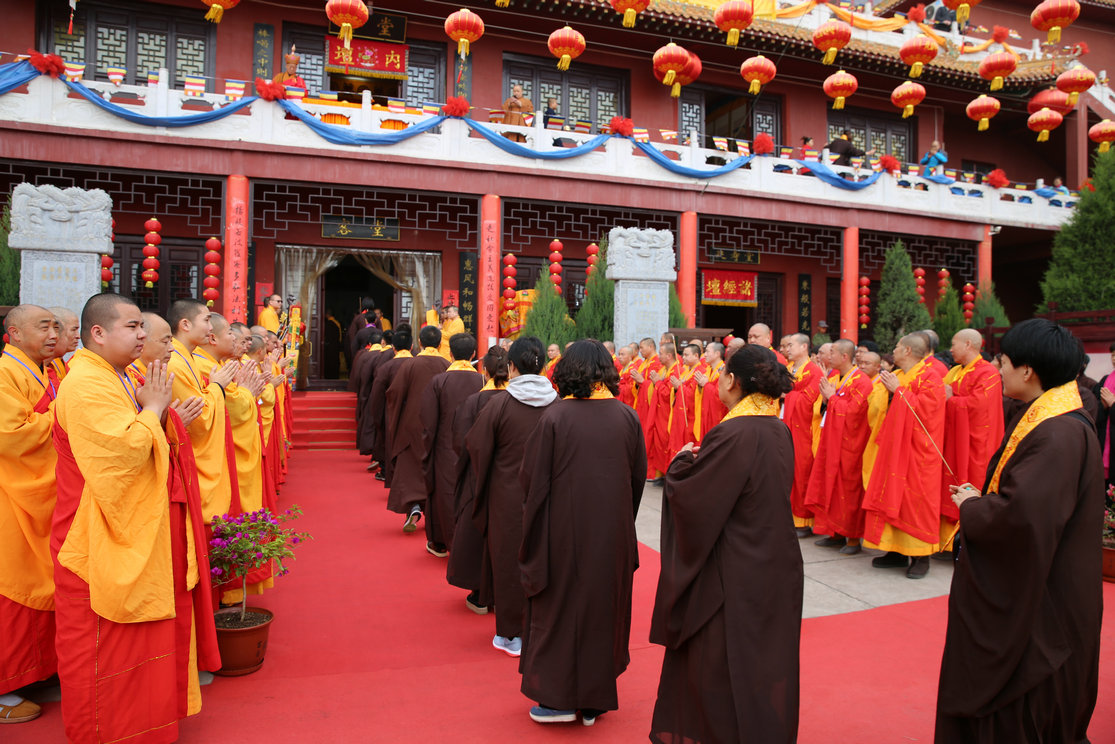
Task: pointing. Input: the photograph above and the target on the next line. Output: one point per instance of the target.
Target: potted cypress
(241, 544)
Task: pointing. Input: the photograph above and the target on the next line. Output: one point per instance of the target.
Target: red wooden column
(983, 260)
(849, 286)
(237, 229)
(488, 281)
(687, 267)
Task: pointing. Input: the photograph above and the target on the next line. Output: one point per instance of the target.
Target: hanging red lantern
(630, 9)
(1043, 122)
(555, 264)
(217, 9)
(464, 27)
(917, 52)
(150, 273)
(758, 71)
(732, 17)
(212, 271)
(567, 44)
(668, 61)
(106, 270)
(982, 109)
(962, 8)
(508, 293)
(1103, 134)
(919, 280)
(1050, 98)
(346, 15)
(593, 249)
(509, 281)
(906, 96)
(510, 260)
(510, 271)
(831, 37)
(1074, 82)
(919, 272)
(1052, 16)
(997, 67)
(840, 86)
(687, 75)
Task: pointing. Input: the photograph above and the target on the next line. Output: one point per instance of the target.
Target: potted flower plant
(241, 544)
(1109, 536)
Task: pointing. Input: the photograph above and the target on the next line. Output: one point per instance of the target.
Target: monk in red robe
(686, 406)
(624, 362)
(644, 395)
(761, 335)
(903, 499)
(553, 356)
(130, 566)
(835, 490)
(797, 413)
(711, 410)
(659, 443)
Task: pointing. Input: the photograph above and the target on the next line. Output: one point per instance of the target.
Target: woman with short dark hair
(728, 608)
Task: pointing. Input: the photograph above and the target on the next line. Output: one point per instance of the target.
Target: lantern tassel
(962, 13)
(733, 37)
(629, 18)
(1043, 135)
(1073, 98)
(915, 69)
(462, 48)
(997, 83)
(216, 12)
(1054, 35)
(756, 86)
(563, 63)
(983, 125)
(908, 111)
(1104, 146)
(209, 303)
(502, 3)
(830, 56)
(838, 103)
(346, 35)
(668, 78)
(149, 285)
(675, 91)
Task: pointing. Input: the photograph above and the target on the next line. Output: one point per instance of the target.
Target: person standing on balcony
(935, 157)
(551, 110)
(515, 110)
(843, 147)
(290, 74)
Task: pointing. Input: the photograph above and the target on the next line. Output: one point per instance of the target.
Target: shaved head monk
(27, 495)
(132, 598)
(69, 328)
(872, 364)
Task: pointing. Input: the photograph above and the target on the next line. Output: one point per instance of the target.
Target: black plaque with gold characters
(368, 228)
(467, 275)
(263, 51)
(733, 255)
(805, 303)
(380, 27)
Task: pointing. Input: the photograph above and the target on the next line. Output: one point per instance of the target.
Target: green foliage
(9, 263)
(988, 306)
(677, 315)
(1080, 275)
(948, 318)
(898, 310)
(596, 318)
(548, 318)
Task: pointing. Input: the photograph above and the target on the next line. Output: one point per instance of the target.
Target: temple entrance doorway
(343, 291)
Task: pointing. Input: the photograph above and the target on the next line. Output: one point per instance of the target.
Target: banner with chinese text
(366, 58)
(466, 277)
(735, 288)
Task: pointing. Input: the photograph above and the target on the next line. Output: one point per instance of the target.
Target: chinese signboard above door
(728, 288)
(380, 27)
(371, 228)
(366, 58)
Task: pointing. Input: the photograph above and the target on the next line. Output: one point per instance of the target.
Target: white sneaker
(510, 646)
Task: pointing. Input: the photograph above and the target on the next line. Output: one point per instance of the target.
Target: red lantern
(555, 257)
(567, 44)
(211, 282)
(864, 320)
(918, 51)
(592, 249)
(508, 293)
(668, 62)
(509, 282)
(942, 274)
(1074, 82)
(919, 280)
(1050, 98)
(962, 8)
(210, 296)
(831, 37)
(1053, 15)
(217, 9)
(106, 277)
(1044, 121)
(968, 315)
(555, 246)
(920, 289)
(630, 9)
(1103, 134)
(464, 27)
(347, 15)
(106, 261)
(864, 292)
(906, 96)
(510, 260)
(982, 109)
(555, 268)
(758, 71)
(732, 17)
(839, 86)
(969, 288)
(592, 260)
(510, 270)
(919, 271)
(212, 270)
(152, 238)
(996, 67)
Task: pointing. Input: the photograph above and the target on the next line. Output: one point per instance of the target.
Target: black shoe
(891, 560)
(851, 549)
(379, 476)
(472, 601)
(944, 555)
(656, 481)
(919, 567)
(803, 531)
(372, 466)
(437, 550)
(836, 541)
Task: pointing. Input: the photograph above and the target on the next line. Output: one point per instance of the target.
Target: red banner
(236, 249)
(366, 58)
(728, 288)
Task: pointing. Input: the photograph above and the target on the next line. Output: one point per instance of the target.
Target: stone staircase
(324, 420)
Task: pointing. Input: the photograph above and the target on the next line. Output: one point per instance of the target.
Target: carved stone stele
(642, 263)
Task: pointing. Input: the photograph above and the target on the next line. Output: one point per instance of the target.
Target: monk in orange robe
(686, 406)
(130, 567)
(973, 417)
(270, 432)
(903, 499)
(625, 363)
(711, 410)
(761, 335)
(27, 495)
(835, 491)
(69, 328)
(645, 399)
(553, 356)
(797, 413)
(657, 448)
(937, 365)
(877, 403)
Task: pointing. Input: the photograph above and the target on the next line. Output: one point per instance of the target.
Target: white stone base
(59, 278)
(642, 310)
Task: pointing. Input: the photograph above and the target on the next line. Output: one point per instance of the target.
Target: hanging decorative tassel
(346, 35)
(73, 7)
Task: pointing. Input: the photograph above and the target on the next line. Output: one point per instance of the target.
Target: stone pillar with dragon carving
(642, 263)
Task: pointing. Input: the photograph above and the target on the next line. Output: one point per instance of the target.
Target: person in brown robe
(1021, 659)
(495, 446)
(356, 371)
(728, 608)
(366, 429)
(359, 322)
(469, 565)
(440, 401)
(376, 414)
(583, 471)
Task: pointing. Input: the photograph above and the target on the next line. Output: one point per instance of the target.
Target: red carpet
(371, 645)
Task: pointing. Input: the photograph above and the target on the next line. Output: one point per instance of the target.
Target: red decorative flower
(996, 179)
(270, 91)
(916, 14)
(889, 164)
(47, 64)
(456, 106)
(622, 126)
(763, 144)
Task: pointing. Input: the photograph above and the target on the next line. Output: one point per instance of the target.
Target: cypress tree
(9, 263)
(548, 318)
(677, 315)
(948, 318)
(1079, 276)
(596, 318)
(898, 310)
(987, 305)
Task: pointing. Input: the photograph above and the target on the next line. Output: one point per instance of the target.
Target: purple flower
(216, 572)
(259, 555)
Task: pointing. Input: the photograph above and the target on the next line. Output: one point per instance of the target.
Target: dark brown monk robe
(377, 410)
(371, 416)
(1021, 658)
(728, 608)
(495, 447)
(583, 472)
(469, 567)
(442, 398)
(356, 373)
(404, 401)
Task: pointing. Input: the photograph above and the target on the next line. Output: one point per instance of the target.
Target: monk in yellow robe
(871, 364)
(451, 326)
(27, 495)
(130, 567)
(189, 322)
(269, 429)
(269, 315)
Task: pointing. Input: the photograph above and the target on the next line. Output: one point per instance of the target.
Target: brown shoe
(20, 713)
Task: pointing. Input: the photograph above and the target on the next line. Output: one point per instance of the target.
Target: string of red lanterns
(942, 283)
(509, 281)
(107, 262)
(555, 265)
(919, 281)
(864, 301)
(212, 280)
(969, 298)
(152, 239)
(593, 250)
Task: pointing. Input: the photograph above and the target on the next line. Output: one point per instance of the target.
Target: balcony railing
(49, 102)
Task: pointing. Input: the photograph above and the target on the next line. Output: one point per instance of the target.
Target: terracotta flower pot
(1109, 564)
(242, 649)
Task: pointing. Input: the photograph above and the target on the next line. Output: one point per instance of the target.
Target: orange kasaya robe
(835, 491)
(645, 401)
(452, 327)
(797, 413)
(877, 404)
(27, 495)
(548, 370)
(627, 383)
(56, 370)
(283, 419)
(658, 454)
(903, 498)
(834, 377)
(208, 432)
(708, 397)
(973, 427)
(133, 608)
(684, 412)
(271, 433)
(938, 366)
